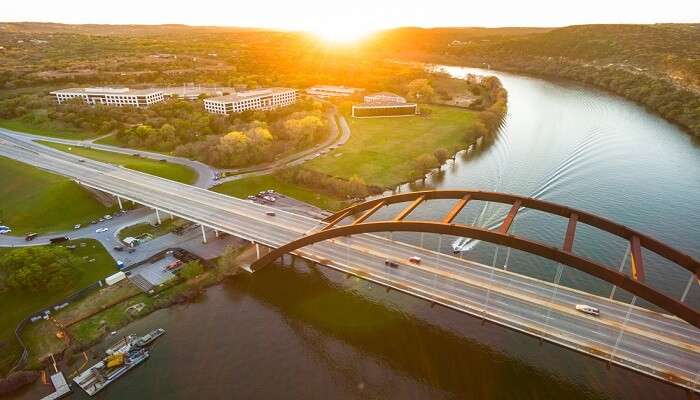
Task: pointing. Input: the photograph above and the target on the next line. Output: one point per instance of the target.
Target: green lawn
(32, 200)
(16, 306)
(47, 128)
(168, 170)
(245, 187)
(140, 229)
(110, 140)
(382, 150)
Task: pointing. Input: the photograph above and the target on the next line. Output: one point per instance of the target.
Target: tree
(420, 90)
(357, 187)
(38, 269)
(424, 163)
(191, 269)
(441, 154)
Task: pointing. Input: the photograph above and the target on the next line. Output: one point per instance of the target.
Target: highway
(652, 343)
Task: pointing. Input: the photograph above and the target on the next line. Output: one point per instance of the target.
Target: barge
(120, 358)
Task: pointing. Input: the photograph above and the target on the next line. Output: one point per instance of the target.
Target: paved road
(206, 173)
(652, 343)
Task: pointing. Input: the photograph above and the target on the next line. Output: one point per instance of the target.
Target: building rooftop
(384, 94)
(107, 90)
(332, 88)
(384, 104)
(248, 94)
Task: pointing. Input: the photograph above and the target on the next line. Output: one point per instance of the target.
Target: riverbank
(17, 305)
(86, 322)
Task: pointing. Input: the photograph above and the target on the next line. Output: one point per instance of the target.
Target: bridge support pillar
(204, 234)
(172, 217)
(257, 250)
(216, 233)
(158, 216)
(119, 200)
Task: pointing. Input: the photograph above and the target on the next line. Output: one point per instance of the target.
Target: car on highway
(414, 260)
(391, 264)
(100, 230)
(81, 160)
(586, 309)
(270, 213)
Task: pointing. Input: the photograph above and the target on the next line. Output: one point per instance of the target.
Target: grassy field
(145, 227)
(32, 200)
(110, 140)
(49, 128)
(168, 170)
(382, 150)
(245, 187)
(16, 306)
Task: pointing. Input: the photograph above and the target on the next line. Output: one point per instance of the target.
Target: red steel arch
(564, 255)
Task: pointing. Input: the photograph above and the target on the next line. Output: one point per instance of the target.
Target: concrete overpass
(656, 344)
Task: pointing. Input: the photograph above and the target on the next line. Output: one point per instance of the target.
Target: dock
(60, 385)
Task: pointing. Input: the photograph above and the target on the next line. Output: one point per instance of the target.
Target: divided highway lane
(573, 328)
(368, 251)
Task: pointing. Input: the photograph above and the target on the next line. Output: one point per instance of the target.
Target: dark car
(391, 264)
(119, 248)
(31, 236)
(60, 239)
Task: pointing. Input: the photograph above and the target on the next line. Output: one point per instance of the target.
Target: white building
(192, 92)
(111, 96)
(259, 99)
(384, 104)
(332, 91)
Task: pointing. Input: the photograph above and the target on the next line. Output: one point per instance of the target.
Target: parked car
(4, 231)
(107, 217)
(31, 236)
(119, 248)
(76, 226)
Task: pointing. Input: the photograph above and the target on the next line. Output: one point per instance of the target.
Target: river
(304, 332)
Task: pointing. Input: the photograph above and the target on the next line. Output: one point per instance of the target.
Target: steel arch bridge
(565, 254)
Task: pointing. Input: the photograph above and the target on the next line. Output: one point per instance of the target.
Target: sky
(352, 15)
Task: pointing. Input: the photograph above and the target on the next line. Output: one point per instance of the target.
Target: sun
(342, 33)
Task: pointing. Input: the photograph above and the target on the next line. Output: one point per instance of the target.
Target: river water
(306, 332)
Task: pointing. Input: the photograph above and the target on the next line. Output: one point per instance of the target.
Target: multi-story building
(192, 92)
(384, 104)
(111, 96)
(332, 91)
(259, 99)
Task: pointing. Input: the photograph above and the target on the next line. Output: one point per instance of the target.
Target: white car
(77, 226)
(414, 260)
(4, 231)
(586, 309)
(100, 230)
(107, 217)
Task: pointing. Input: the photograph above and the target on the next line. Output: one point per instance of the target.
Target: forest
(657, 66)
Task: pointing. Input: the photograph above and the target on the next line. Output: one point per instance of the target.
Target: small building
(258, 99)
(325, 91)
(384, 104)
(111, 96)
